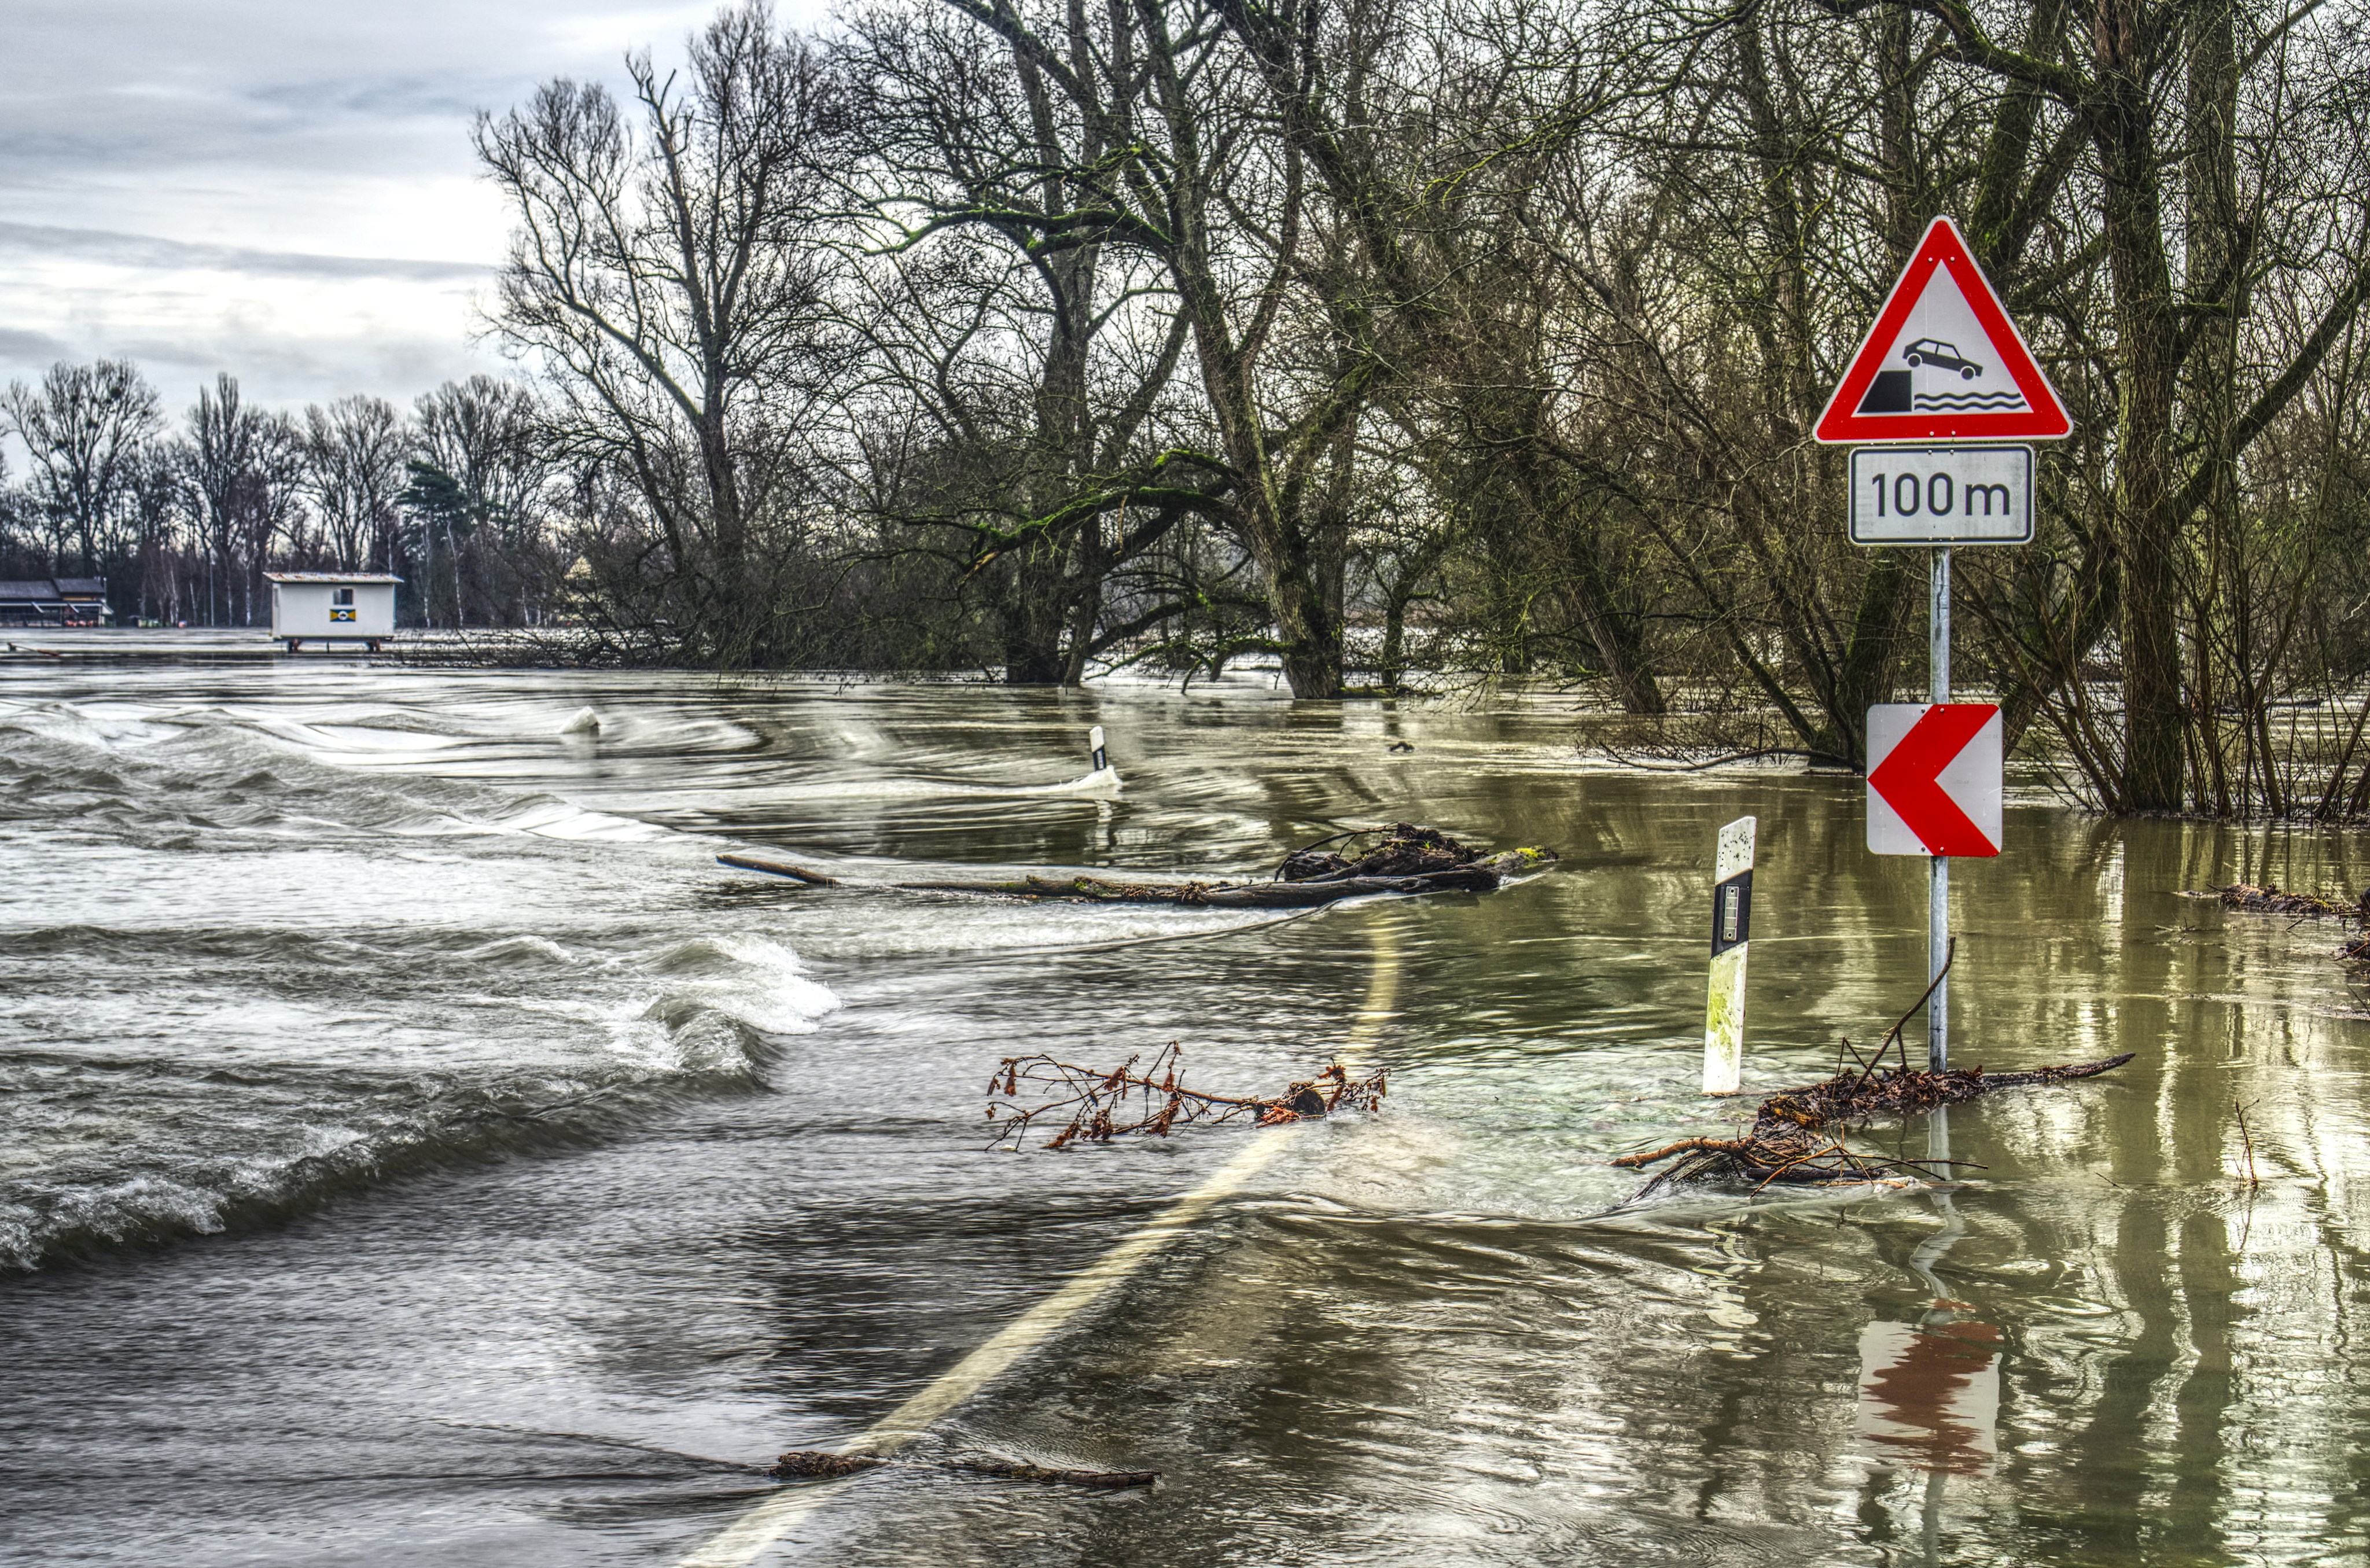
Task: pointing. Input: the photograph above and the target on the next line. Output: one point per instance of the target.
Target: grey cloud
(276, 369)
(269, 135)
(117, 249)
(36, 347)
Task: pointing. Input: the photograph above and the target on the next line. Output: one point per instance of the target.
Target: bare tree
(479, 477)
(1043, 372)
(244, 466)
(85, 428)
(354, 453)
(663, 271)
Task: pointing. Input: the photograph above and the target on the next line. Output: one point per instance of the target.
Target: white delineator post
(1937, 875)
(1731, 928)
(1095, 744)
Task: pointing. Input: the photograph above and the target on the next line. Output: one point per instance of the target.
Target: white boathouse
(333, 607)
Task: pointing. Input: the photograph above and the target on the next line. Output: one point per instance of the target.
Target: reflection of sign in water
(337, 614)
(1930, 1397)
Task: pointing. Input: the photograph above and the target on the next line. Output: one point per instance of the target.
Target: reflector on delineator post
(1732, 931)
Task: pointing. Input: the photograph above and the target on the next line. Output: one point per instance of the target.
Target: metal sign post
(1942, 379)
(1937, 872)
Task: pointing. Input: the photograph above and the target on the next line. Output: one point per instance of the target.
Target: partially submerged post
(1731, 928)
(1095, 744)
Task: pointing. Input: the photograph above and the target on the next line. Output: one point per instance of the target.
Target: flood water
(415, 1148)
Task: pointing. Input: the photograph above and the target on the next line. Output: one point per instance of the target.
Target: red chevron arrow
(1908, 778)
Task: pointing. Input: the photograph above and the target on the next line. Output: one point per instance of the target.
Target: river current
(416, 1148)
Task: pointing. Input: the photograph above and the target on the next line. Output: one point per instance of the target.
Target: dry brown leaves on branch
(1026, 1092)
(1788, 1141)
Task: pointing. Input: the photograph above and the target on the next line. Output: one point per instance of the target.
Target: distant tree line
(1402, 340)
(459, 496)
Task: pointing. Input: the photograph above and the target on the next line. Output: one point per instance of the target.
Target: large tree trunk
(2148, 528)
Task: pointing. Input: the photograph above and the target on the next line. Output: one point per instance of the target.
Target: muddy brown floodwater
(414, 1149)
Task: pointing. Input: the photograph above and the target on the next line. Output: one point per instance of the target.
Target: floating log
(2270, 899)
(1402, 859)
(803, 1463)
(1217, 895)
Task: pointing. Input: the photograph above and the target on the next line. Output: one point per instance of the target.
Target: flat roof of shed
(330, 577)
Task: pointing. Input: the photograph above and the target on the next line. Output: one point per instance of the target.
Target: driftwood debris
(801, 1463)
(1401, 860)
(1101, 1105)
(2270, 899)
(1790, 1140)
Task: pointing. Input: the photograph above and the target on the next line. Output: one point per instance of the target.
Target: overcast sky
(281, 189)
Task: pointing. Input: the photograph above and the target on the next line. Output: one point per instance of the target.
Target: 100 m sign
(1942, 495)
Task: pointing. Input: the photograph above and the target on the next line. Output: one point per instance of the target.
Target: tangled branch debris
(2269, 899)
(1402, 849)
(1106, 1105)
(1790, 1140)
(802, 1463)
(1402, 859)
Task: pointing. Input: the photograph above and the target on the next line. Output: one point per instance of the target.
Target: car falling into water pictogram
(1932, 350)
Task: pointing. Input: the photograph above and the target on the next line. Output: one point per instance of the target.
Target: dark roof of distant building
(50, 590)
(331, 577)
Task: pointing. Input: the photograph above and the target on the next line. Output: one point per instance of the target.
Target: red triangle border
(1944, 246)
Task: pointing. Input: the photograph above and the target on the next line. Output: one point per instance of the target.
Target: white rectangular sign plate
(1942, 495)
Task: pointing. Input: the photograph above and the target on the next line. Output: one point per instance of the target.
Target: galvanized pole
(1938, 885)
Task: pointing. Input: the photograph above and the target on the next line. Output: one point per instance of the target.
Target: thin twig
(2248, 1141)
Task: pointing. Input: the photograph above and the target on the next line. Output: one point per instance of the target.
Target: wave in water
(185, 1133)
(209, 772)
(242, 980)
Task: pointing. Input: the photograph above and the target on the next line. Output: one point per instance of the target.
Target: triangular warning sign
(1943, 362)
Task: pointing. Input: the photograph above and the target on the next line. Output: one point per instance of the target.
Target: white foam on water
(1103, 782)
(751, 978)
(298, 976)
(526, 949)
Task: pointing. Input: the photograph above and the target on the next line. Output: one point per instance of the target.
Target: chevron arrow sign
(1934, 779)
